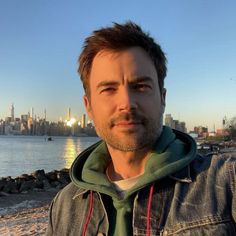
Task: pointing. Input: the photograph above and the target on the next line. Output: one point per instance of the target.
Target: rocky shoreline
(25, 201)
(36, 181)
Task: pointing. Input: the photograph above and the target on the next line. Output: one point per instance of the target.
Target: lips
(127, 120)
(128, 123)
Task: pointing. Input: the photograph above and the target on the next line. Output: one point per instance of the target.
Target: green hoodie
(173, 151)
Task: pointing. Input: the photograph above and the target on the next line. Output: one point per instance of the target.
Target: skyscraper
(12, 112)
(83, 121)
(69, 114)
(32, 112)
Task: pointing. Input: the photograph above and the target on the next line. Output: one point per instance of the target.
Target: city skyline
(62, 114)
(40, 43)
(69, 114)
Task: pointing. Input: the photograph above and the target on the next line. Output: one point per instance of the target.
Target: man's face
(125, 102)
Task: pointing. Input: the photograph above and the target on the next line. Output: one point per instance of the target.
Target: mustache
(129, 117)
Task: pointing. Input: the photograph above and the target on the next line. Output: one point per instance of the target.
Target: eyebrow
(134, 80)
(106, 83)
(141, 79)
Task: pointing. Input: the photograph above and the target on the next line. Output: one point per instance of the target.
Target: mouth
(128, 124)
(128, 121)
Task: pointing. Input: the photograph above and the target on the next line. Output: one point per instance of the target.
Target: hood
(172, 152)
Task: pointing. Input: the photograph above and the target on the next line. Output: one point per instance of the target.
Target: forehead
(127, 64)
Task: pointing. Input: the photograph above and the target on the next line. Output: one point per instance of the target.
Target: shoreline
(32, 221)
(25, 201)
(25, 213)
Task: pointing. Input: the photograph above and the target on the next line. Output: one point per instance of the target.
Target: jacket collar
(79, 192)
(183, 175)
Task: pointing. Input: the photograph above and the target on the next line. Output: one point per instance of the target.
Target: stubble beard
(132, 140)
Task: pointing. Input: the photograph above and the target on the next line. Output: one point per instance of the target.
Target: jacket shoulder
(220, 167)
(213, 160)
(67, 194)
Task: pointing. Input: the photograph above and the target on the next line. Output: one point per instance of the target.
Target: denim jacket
(198, 200)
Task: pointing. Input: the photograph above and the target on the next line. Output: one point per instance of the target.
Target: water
(25, 154)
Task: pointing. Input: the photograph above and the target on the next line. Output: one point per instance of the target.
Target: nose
(127, 100)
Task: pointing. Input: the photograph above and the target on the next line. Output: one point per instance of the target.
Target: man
(142, 178)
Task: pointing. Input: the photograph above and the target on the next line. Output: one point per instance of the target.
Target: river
(25, 154)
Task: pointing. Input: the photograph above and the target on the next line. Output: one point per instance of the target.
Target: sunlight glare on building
(70, 122)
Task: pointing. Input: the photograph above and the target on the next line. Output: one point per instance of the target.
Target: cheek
(99, 114)
(152, 108)
(103, 107)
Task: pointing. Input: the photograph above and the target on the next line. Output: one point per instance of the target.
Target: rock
(52, 176)
(10, 187)
(54, 184)
(65, 170)
(39, 174)
(27, 185)
(25, 177)
(46, 184)
(3, 194)
(39, 184)
(8, 178)
(38, 181)
(62, 178)
(2, 183)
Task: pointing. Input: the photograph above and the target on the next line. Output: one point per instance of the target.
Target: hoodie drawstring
(89, 213)
(149, 210)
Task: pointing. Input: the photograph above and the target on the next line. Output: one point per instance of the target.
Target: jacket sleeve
(49, 231)
(233, 187)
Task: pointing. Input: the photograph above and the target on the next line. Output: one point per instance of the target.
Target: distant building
(193, 135)
(31, 126)
(83, 121)
(212, 134)
(222, 132)
(8, 129)
(32, 112)
(8, 120)
(12, 112)
(175, 124)
(24, 118)
(2, 127)
(24, 124)
(182, 127)
(17, 124)
(201, 131)
(169, 121)
(69, 114)
(45, 115)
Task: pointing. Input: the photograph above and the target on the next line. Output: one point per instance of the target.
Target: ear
(163, 97)
(88, 106)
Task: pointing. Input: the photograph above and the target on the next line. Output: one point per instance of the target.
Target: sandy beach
(25, 213)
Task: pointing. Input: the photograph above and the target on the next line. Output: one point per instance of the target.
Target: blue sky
(41, 40)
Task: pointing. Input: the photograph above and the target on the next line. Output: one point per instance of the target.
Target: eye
(142, 87)
(108, 90)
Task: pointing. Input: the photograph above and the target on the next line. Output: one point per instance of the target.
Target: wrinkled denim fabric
(198, 200)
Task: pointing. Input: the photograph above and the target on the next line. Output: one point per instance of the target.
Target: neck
(126, 164)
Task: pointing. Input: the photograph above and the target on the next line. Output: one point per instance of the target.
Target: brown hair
(116, 38)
